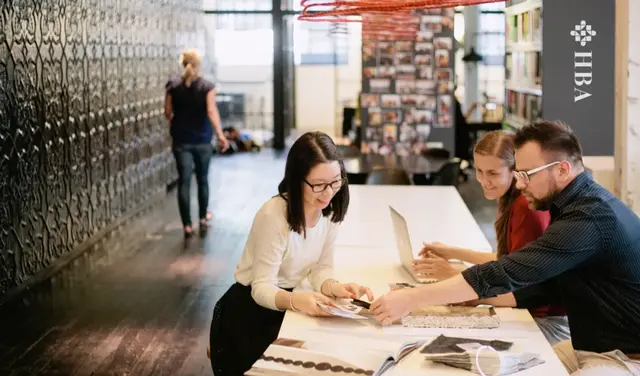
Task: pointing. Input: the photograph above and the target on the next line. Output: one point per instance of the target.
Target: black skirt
(241, 331)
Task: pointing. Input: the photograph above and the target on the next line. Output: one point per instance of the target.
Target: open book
(394, 359)
(289, 357)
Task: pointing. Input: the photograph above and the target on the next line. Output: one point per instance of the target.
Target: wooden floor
(140, 303)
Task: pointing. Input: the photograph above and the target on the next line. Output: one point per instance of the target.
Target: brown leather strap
(633, 356)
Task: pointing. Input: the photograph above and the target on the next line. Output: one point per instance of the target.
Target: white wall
(319, 92)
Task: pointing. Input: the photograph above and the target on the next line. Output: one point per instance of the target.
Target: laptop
(403, 243)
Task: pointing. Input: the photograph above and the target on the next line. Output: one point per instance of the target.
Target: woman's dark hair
(310, 150)
(500, 144)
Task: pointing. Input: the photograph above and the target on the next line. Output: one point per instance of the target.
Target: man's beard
(545, 202)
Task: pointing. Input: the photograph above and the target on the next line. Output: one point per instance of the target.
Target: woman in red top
(516, 225)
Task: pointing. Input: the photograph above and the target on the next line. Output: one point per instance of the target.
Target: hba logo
(582, 61)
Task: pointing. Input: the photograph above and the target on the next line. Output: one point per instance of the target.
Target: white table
(366, 254)
(517, 325)
(433, 213)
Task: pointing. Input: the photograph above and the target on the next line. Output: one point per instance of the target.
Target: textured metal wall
(82, 133)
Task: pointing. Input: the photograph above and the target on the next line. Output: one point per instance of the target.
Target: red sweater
(525, 226)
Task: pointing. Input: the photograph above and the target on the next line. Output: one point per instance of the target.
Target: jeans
(187, 157)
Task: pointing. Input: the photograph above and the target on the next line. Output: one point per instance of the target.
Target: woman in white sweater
(292, 239)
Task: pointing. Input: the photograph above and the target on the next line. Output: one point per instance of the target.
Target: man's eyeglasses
(335, 185)
(524, 177)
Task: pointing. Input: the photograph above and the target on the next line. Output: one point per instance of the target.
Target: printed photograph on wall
(374, 134)
(386, 72)
(424, 48)
(444, 111)
(390, 116)
(390, 100)
(426, 73)
(442, 58)
(369, 100)
(390, 133)
(407, 117)
(378, 85)
(409, 89)
(375, 116)
(405, 86)
(369, 72)
(425, 86)
(369, 54)
(406, 72)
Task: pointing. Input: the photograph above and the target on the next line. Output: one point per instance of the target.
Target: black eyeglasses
(524, 177)
(318, 188)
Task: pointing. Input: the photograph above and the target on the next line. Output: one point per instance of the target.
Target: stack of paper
(482, 357)
(488, 362)
(443, 344)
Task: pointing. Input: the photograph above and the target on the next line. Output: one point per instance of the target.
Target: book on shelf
(536, 25)
(512, 28)
(522, 105)
(538, 68)
(289, 357)
(525, 26)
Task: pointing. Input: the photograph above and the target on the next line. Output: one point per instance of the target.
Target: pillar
(471, 27)
(627, 135)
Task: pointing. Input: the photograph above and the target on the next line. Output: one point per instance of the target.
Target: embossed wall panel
(83, 139)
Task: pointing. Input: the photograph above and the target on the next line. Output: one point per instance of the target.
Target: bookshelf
(523, 62)
(564, 70)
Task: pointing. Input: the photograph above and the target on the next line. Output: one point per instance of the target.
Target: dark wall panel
(82, 136)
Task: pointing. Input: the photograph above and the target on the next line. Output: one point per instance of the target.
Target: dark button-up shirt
(588, 260)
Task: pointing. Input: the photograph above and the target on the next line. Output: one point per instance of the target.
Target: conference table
(366, 253)
(412, 164)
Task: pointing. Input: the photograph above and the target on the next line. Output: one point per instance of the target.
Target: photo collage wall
(407, 86)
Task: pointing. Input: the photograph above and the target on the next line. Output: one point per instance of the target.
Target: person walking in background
(190, 106)
(516, 225)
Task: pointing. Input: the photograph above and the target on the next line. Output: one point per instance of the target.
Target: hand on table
(393, 306)
(439, 249)
(350, 291)
(434, 266)
(307, 302)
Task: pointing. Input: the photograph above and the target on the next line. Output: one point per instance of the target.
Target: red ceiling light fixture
(353, 10)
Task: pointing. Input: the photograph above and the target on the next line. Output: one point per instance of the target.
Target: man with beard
(587, 260)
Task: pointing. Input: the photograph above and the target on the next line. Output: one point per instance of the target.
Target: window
(498, 6)
(222, 5)
(323, 43)
(234, 33)
(490, 44)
